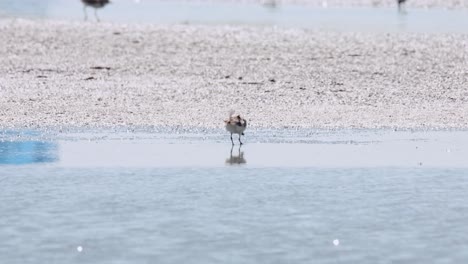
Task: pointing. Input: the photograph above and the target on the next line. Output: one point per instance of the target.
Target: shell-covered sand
(79, 74)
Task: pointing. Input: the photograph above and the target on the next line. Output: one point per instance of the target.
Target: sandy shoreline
(86, 75)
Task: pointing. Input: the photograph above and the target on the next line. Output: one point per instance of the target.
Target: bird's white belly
(235, 129)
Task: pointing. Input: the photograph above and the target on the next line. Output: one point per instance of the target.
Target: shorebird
(94, 3)
(235, 124)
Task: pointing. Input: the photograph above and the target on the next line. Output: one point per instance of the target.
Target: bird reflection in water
(95, 4)
(400, 6)
(272, 4)
(236, 160)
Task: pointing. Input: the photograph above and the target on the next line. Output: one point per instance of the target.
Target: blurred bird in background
(95, 4)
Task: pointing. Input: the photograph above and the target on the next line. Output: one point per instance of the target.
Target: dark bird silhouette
(95, 4)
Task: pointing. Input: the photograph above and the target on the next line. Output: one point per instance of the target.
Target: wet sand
(76, 74)
(450, 4)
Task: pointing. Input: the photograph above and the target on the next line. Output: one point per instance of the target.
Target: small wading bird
(235, 125)
(95, 4)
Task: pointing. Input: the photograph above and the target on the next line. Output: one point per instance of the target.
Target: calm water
(196, 12)
(386, 197)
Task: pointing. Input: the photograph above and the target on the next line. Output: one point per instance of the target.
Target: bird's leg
(95, 14)
(240, 140)
(232, 140)
(85, 13)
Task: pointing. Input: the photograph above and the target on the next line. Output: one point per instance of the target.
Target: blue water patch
(22, 147)
(27, 152)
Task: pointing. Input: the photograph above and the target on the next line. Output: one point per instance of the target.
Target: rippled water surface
(320, 197)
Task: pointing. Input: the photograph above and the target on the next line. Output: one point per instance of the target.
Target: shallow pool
(320, 196)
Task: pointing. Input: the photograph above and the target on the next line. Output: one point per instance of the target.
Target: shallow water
(176, 12)
(212, 148)
(234, 215)
(149, 197)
